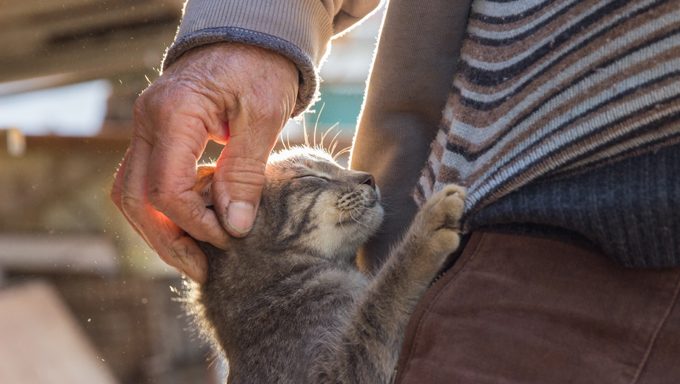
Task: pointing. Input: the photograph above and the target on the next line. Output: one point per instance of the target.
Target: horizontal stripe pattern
(554, 88)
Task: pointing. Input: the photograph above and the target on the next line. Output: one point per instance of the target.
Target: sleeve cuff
(298, 30)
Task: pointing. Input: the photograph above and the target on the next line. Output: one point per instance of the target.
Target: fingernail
(240, 217)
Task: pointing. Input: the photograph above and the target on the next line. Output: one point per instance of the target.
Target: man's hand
(233, 94)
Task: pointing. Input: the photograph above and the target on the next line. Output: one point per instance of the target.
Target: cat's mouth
(358, 207)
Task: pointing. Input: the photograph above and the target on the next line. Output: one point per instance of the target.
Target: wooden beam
(93, 58)
(70, 254)
(34, 37)
(22, 11)
(36, 83)
(88, 38)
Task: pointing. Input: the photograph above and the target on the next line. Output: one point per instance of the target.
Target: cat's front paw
(440, 217)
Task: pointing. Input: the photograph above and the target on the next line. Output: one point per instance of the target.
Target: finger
(183, 252)
(117, 191)
(238, 191)
(167, 239)
(240, 169)
(192, 269)
(239, 178)
(172, 177)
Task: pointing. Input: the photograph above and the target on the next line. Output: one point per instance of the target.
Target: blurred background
(82, 299)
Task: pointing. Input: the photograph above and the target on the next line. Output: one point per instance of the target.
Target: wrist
(227, 54)
(306, 77)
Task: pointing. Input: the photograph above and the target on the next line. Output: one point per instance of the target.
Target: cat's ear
(204, 178)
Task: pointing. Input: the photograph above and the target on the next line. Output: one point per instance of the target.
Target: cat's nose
(367, 179)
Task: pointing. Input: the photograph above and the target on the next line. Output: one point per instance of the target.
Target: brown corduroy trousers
(524, 309)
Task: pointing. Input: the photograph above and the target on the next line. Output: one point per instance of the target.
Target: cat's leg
(368, 349)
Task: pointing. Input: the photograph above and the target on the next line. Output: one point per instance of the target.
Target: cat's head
(311, 202)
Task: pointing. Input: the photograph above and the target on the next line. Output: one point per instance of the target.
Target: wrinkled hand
(233, 94)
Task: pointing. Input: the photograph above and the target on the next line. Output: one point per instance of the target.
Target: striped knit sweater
(549, 90)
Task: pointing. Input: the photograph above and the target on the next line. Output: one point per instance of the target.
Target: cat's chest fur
(274, 323)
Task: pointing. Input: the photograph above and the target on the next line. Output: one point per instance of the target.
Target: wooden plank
(88, 38)
(73, 254)
(90, 59)
(35, 83)
(35, 36)
(41, 343)
(27, 10)
(13, 9)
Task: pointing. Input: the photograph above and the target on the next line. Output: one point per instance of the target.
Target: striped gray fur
(549, 88)
(286, 304)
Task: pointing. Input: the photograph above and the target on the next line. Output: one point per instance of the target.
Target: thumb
(239, 178)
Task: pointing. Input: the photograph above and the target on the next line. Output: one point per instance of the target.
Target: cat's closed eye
(314, 177)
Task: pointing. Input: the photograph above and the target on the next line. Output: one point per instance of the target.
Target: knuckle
(161, 198)
(163, 104)
(240, 169)
(115, 196)
(168, 255)
(154, 100)
(139, 106)
(130, 203)
(270, 114)
(116, 190)
(194, 212)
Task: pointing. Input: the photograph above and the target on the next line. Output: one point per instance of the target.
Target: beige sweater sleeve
(298, 29)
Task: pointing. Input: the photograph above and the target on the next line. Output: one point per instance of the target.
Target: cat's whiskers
(316, 124)
(322, 144)
(334, 143)
(342, 152)
(357, 220)
(341, 222)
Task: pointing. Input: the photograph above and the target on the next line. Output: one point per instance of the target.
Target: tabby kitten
(286, 304)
